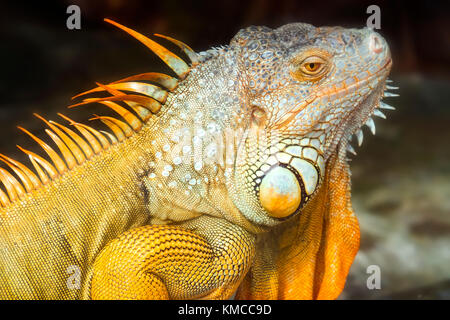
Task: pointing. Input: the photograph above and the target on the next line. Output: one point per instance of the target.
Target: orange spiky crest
(144, 94)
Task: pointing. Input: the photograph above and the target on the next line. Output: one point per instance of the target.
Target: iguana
(229, 177)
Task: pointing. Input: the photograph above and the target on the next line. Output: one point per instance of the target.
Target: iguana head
(308, 91)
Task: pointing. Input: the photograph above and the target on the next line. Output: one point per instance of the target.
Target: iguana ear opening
(309, 256)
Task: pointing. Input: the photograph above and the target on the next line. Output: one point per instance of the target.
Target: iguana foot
(171, 262)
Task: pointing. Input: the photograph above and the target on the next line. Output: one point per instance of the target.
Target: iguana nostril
(280, 193)
(375, 44)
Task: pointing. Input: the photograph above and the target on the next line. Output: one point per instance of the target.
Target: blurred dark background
(401, 176)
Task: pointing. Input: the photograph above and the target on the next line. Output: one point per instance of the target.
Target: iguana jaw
(341, 133)
(362, 114)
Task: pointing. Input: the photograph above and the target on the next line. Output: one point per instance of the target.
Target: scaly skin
(239, 182)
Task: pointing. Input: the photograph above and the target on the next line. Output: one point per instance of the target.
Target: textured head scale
(308, 90)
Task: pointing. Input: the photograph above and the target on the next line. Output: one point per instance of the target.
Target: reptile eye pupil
(312, 66)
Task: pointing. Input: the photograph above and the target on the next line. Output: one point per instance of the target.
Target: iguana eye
(312, 65)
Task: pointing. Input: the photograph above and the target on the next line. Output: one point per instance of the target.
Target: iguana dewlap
(231, 175)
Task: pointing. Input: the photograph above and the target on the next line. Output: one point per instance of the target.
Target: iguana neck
(194, 145)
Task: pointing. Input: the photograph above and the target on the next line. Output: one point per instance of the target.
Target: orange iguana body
(230, 177)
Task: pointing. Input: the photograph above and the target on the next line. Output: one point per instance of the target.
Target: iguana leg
(173, 262)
